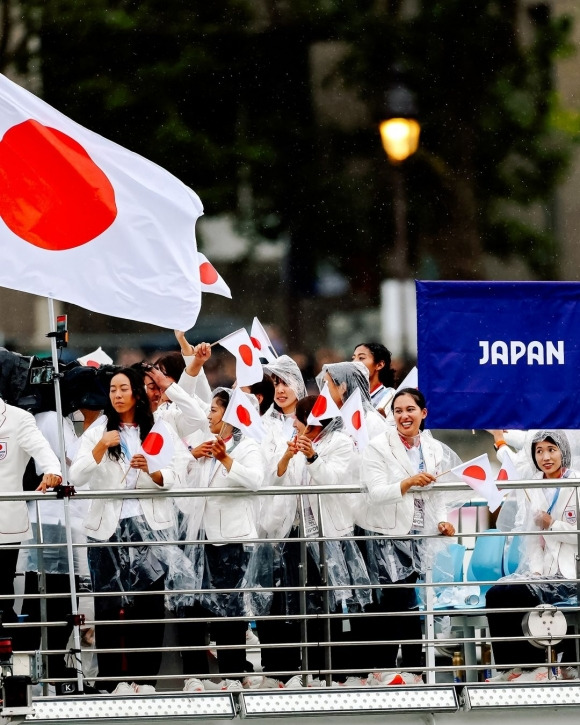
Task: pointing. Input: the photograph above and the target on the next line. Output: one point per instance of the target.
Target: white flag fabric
(248, 367)
(411, 380)
(353, 417)
(324, 407)
(243, 415)
(96, 358)
(87, 221)
(211, 280)
(508, 470)
(158, 447)
(477, 473)
(261, 342)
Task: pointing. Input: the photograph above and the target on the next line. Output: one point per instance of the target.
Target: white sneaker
(540, 674)
(124, 688)
(506, 675)
(318, 682)
(259, 682)
(143, 689)
(193, 685)
(379, 679)
(251, 638)
(294, 683)
(412, 678)
(231, 685)
(353, 682)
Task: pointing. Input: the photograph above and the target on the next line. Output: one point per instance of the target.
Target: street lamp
(400, 132)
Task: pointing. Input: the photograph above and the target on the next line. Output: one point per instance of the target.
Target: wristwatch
(312, 458)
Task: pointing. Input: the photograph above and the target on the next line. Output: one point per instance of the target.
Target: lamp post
(400, 132)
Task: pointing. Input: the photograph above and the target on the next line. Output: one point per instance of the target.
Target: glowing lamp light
(400, 137)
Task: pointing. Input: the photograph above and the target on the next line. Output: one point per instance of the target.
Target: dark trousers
(57, 610)
(395, 629)
(8, 559)
(130, 666)
(509, 624)
(224, 568)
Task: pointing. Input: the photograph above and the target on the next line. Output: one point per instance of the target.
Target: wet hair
(143, 414)
(381, 354)
(266, 389)
(223, 397)
(417, 396)
(172, 364)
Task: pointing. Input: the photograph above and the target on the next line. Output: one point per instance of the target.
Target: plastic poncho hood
(560, 439)
(288, 371)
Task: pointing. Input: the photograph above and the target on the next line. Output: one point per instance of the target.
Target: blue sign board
(499, 354)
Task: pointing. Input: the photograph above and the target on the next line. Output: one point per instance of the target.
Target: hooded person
(550, 555)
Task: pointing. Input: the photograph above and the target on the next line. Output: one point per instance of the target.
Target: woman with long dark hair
(110, 458)
(377, 359)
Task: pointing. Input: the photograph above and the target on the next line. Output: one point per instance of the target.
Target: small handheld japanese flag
(243, 415)
(210, 279)
(96, 358)
(248, 367)
(411, 380)
(323, 408)
(158, 447)
(261, 342)
(477, 474)
(508, 470)
(353, 417)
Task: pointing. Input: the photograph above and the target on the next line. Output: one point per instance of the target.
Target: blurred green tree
(222, 94)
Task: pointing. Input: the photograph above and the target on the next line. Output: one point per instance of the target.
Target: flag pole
(66, 499)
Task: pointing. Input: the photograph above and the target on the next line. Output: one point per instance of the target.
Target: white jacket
(331, 468)
(225, 518)
(385, 464)
(103, 516)
(20, 440)
(558, 552)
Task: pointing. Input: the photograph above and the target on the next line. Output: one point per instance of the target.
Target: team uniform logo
(3, 450)
(570, 514)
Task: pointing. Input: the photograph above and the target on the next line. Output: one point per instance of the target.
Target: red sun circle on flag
(502, 475)
(246, 354)
(92, 364)
(256, 343)
(243, 415)
(153, 444)
(475, 472)
(207, 273)
(356, 420)
(52, 194)
(319, 407)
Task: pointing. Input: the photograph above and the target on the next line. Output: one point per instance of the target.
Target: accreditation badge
(570, 514)
(3, 450)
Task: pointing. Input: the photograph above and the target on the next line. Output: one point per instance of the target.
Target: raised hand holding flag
(323, 408)
(242, 414)
(353, 417)
(477, 473)
(248, 367)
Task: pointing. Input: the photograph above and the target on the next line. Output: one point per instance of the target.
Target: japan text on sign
(499, 354)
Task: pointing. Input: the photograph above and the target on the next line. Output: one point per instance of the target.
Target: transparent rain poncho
(524, 506)
(287, 370)
(276, 565)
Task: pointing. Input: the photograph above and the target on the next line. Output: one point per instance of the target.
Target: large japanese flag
(248, 367)
(211, 280)
(261, 342)
(353, 417)
(84, 220)
(158, 447)
(477, 473)
(243, 415)
(324, 407)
